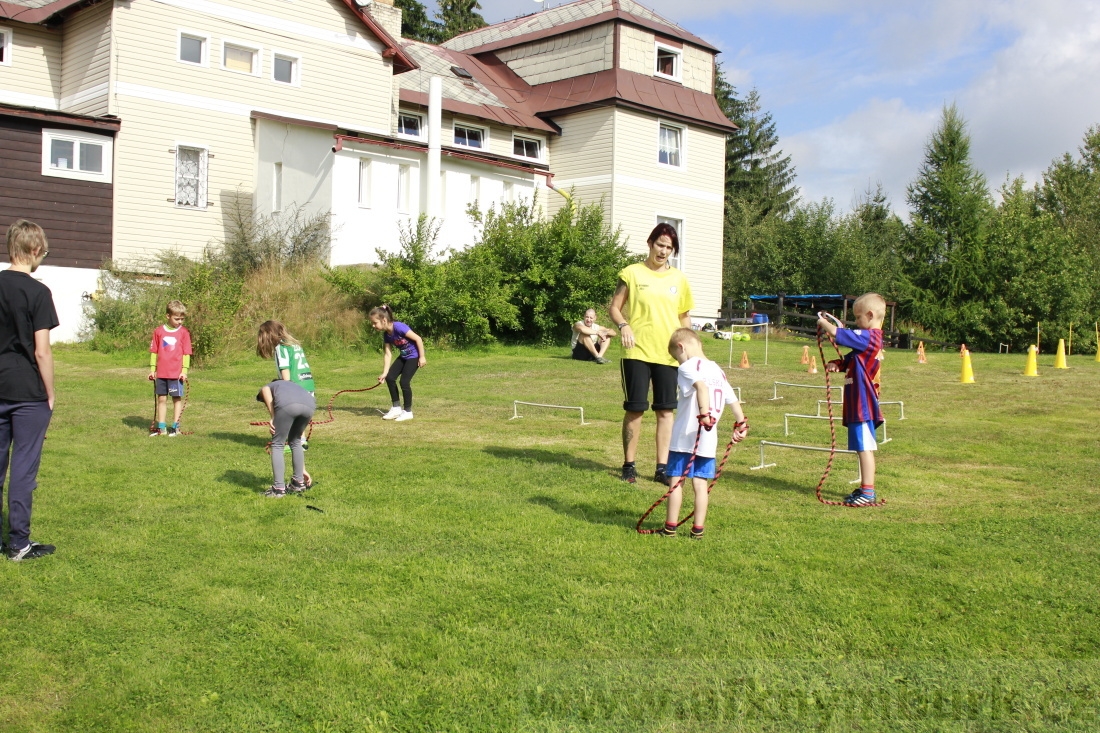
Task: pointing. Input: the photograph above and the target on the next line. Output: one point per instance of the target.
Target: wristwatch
(624, 323)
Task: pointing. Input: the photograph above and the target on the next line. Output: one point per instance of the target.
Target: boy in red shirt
(169, 360)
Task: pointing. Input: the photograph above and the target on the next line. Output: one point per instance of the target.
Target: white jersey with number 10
(687, 407)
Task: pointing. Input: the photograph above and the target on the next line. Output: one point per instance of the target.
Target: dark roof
(108, 124)
(629, 89)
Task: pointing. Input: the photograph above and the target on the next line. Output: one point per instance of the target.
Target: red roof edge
(401, 61)
(61, 118)
(23, 14)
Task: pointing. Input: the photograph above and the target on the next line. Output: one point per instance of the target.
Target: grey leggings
(290, 422)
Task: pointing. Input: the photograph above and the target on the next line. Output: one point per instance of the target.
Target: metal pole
(766, 324)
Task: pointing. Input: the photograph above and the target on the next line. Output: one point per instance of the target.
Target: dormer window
(408, 124)
(669, 61)
(469, 137)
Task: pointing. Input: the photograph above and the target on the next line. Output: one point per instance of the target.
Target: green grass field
(472, 573)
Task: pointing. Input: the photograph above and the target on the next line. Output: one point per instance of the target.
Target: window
(191, 177)
(240, 58)
(277, 189)
(670, 148)
(5, 47)
(404, 173)
(285, 68)
(526, 148)
(509, 192)
(409, 124)
(668, 62)
(676, 260)
(475, 190)
(364, 182)
(192, 48)
(470, 137)
(76, 154)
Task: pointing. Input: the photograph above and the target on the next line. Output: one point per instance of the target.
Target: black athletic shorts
(165, 387)
(582, 354)
(638, 375)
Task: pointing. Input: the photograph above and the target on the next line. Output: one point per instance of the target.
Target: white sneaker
(394, 412)
(404, 416)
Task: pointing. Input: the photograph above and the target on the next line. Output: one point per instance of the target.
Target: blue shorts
(861, 436)
(173, 387)
(700, 467)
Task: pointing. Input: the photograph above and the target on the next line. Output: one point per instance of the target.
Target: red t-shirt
(170, 347)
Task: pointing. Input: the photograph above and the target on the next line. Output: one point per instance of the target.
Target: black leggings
(406, 368)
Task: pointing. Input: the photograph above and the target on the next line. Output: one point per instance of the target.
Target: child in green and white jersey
(273, 340)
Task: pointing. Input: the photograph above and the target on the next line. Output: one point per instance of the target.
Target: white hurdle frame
(517, 403)
(788, 416)
(899, 403)
(775, 388)
(767, 327)
(764, 443)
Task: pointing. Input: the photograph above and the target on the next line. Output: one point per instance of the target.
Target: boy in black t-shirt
(26, 380)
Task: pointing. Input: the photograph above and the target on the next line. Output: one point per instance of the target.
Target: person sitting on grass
(590, 339)
(861, 366)
(169, 360)
(291, 409)
(702, 394)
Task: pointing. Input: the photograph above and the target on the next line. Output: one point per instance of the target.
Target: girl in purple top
(410, 357)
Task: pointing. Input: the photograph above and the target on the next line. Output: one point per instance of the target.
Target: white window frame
(205, 37)
(529, 138)
(204, 172)
(277, 188)
(366, 182)
(680, 229)
(296, 73)
(404, 187)
(405, 113)
(678, 66)
(77, 137)
(683, 145)
(257, 56)
(469, 126)
(9, 39)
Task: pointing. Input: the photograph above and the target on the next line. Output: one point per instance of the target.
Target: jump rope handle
(830, 317)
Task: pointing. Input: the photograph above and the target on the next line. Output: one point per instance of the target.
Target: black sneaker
(666, 531)
(173, 431)
(630, 474)
(275, 492)
(696, 534)
(296, 488)
(661, 477)
(30, 552)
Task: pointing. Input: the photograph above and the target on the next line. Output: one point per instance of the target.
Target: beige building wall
(33, 78)
(585, 51)
(165, 102)
(638, 53)
(86, 61)
(583, 159)
(645, 189)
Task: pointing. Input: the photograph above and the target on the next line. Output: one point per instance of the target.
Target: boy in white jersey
(702, 395)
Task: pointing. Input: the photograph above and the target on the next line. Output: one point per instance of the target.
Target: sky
(856, 87)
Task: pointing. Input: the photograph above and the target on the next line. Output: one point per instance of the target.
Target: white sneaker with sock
(404, 416)
(393, 413)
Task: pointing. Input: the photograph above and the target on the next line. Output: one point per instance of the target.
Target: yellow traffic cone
(1060, 356)
(1032, 368)
(813, 365)
(922, 358)
(745, 360)
(967, 370)
(805, 355)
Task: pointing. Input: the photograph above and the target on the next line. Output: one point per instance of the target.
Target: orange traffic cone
(813, 365)
(922, 358)
(805, 355)
(745, 360)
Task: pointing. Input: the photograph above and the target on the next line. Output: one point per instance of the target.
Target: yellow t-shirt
(654, 303)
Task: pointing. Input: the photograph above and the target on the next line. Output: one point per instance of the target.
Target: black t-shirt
(26, 306)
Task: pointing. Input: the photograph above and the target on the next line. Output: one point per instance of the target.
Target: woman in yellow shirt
(652, 300)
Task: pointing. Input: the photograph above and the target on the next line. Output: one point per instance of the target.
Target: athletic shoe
(296, 488)
(30, 552)
(394, 413)
(661, 477)
(403, 416)
(173, 432)
(601, 360)
(630, 474)
(157, 433)
(665, 531)
(275, 492)
(696, 534)
(857, 498)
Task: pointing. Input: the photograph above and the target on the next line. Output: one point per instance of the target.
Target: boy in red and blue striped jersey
(861, 384)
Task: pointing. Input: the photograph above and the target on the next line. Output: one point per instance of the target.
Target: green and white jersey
(292, 358)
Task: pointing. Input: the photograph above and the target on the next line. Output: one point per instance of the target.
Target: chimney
(387, 16)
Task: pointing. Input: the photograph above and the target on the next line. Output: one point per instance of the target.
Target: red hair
(665, 229)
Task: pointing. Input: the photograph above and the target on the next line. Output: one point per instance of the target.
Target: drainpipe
(435, 144)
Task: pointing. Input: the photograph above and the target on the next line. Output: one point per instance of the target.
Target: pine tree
(416, 24)
(944, 257)
(459, 16)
